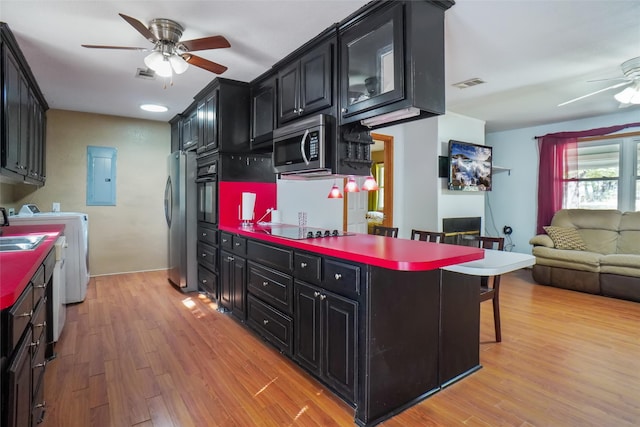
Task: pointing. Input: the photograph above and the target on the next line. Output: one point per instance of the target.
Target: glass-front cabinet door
(372, 70)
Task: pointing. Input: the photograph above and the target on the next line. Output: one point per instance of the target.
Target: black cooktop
(300, 233)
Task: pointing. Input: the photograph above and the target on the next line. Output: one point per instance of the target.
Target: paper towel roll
(248, 203)
(276, 217)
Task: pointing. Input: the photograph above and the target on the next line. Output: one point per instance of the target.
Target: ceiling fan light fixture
(154, 60)
(178, 64)
(630, 95)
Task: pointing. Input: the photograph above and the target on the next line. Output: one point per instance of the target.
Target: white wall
(452, 204)
(415, 175)
(513, 200)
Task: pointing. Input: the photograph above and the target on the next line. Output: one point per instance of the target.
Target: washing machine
(76, 232)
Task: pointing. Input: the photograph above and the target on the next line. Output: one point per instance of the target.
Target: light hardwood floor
(137, 352)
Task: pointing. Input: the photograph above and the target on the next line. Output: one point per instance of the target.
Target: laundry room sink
(20, 243)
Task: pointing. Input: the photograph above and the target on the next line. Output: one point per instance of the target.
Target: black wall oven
(207, 182)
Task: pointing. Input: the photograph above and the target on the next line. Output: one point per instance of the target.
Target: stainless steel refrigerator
(180, 205)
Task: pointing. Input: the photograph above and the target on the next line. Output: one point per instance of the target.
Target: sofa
(594, 251)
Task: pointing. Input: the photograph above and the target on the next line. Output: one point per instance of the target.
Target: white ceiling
(533, 54)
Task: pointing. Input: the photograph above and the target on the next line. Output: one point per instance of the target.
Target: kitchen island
(373, 318)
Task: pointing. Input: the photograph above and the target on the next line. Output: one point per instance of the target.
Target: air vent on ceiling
(468, 83)
(145, 73)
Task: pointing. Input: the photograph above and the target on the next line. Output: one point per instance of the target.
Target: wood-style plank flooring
(137, 352)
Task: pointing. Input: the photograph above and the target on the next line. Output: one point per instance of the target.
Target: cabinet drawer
(272, 286)
(208, 235)
(208, 281)
(239, 245)
(20, 316)
(307, 267)
(341, 278)
(226, 241)
(39, 319)
(39, 285)
(208, 256)
(274, 326)
(272, 256)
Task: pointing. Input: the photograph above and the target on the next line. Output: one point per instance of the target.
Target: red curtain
(554, 151)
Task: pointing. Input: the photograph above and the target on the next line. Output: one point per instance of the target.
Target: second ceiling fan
(169, 54)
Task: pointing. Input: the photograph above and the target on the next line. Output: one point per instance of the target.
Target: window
(603, 174)
(380, 179)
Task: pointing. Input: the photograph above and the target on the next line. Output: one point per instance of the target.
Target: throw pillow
(565, 238)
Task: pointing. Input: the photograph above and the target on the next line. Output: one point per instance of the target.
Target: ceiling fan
(170, 54)
(631, 94)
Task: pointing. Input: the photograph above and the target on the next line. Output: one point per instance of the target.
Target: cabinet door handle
(204, 281)
(303, 265)
(322, 297)
(316, 294)
(265, 283)
(224, 240)
(237, 243)
(29, 314)
(300, 110)
(230, 258)
(41, 405)
(41, 286)
(344, 110)
(338, 276)
(204, 255)
(265, 321)
(41, 365)
(204, 234)
(35, 343)
(41, 325)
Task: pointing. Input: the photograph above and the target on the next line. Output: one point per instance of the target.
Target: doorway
(383, 201)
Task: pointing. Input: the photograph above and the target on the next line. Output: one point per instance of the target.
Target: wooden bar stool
(385, 231)
(427, 236)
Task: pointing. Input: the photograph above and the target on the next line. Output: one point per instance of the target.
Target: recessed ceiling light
(154, 108)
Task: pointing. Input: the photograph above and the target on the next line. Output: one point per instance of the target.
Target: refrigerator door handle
(168, 202)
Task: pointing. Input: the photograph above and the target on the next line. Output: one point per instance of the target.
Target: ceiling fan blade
(95, 46)
(142, 29)
(594, 93)
(213, 42)
(204, 63)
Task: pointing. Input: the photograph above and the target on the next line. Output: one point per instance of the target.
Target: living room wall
(513, 201)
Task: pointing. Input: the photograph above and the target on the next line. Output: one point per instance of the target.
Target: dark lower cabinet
(233, 289)
(326, 337)
(19, 406)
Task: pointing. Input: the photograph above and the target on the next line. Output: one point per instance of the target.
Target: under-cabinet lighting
(405, 113)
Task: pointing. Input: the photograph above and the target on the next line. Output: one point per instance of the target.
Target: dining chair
(427, 236)
(385, 231)
(488, 292)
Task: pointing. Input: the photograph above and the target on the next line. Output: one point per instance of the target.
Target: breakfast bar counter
(394, 254)
(376, 319)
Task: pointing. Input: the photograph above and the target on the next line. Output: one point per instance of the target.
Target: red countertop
(18, 267)
(386, 252)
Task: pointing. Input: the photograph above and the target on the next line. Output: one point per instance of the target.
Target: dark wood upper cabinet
(223, 117)
(263, 112)
(392, 59)
(305, 84)
(23, 116)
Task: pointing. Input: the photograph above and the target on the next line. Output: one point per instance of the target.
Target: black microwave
(304, 146)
